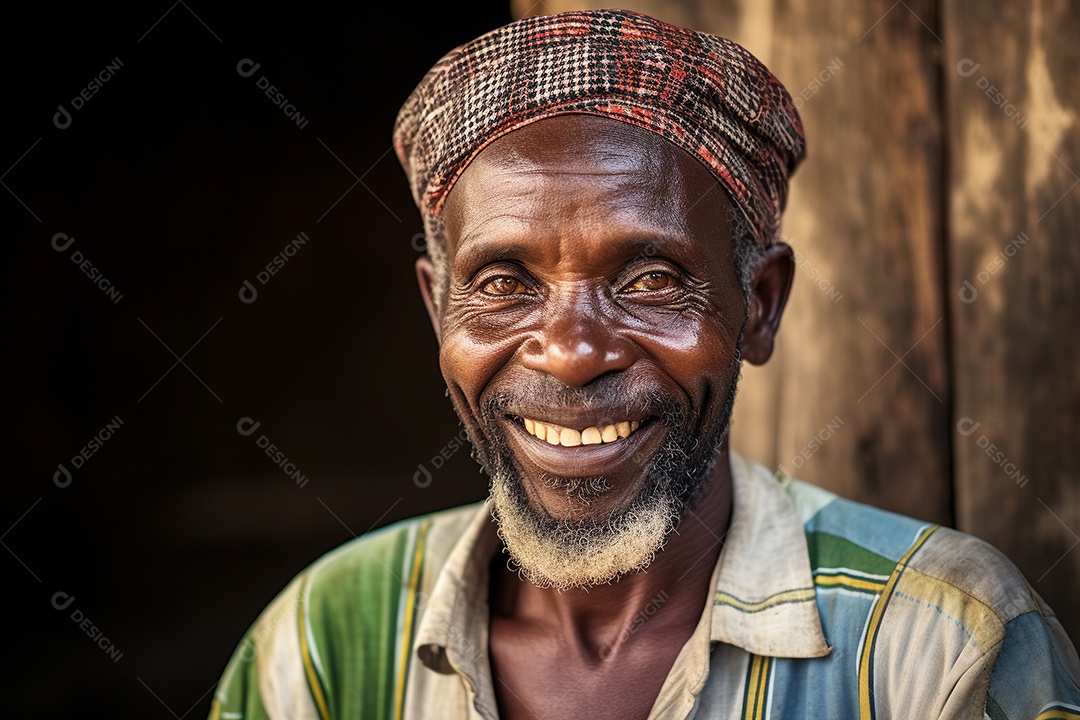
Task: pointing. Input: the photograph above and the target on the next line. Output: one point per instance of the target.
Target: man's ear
(425, 276)
(769, 290)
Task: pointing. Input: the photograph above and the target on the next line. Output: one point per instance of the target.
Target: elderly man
(601, 194)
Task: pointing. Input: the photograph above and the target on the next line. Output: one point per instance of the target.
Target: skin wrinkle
(572, 342)
(748, 252)
(517, 164)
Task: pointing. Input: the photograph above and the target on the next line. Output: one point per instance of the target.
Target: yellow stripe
(1058, 715)
(759, 709)
(865, 712)
(854, 583)
(215, 710)
(410, 609)
(756, 688)
(789, 596)
(751, 702)
(309, 668)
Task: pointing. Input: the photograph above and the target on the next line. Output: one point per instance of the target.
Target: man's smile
(634, 443)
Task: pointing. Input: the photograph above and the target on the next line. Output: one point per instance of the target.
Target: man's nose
(577, 344)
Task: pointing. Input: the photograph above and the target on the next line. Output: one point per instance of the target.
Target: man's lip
(583, 460)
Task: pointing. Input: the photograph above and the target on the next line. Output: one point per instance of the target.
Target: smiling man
(601, 195)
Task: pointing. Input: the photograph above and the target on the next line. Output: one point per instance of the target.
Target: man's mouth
(601, 433)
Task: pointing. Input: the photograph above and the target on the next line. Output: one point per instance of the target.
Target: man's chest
(536, 677)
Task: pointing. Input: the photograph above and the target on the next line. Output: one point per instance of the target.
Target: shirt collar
(764, 599)
(453, 630)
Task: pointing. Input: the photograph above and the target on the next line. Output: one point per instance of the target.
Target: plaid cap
(705, 94)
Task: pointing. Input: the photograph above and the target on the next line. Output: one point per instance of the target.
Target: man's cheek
(469, 362)
(688, 351)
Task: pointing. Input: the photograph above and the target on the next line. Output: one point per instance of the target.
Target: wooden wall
(929, 361)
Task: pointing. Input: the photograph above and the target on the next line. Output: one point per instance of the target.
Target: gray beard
(564, 553)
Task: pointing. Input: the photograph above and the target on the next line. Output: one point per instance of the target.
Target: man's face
(589, 336)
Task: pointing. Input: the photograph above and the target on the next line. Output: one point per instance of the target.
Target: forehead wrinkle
(624, 189)
(645, 193)
(615, 215)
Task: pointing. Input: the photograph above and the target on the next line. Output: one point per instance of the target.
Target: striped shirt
(822, 608)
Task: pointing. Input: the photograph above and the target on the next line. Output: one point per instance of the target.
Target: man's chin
(575, 553)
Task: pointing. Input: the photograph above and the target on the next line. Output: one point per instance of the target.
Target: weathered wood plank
(865, 366)
(1014, 152)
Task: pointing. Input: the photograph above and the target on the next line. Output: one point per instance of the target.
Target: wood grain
(1014, 154)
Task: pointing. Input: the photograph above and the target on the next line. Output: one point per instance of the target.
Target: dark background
(179, 179)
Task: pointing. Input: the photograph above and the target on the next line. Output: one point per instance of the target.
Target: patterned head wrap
(704, 93)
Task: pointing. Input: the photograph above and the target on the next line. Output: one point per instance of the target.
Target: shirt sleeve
(266, 677)
(1037, 672)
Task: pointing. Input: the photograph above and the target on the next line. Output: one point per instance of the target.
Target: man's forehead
(577, 177)
(592, 164)
(581, 139)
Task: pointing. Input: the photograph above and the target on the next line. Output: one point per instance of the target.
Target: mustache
(609, 397)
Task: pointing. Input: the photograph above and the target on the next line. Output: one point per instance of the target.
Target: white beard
(578, 555)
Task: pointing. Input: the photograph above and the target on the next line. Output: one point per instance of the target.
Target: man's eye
(651, 281)
(503, 285)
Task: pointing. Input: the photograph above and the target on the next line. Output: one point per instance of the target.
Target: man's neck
(668, 596)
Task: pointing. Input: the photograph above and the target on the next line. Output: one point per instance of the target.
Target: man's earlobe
(425, 276)
(769, 290)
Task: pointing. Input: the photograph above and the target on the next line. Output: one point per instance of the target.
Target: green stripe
(832, 551)
(353, 615)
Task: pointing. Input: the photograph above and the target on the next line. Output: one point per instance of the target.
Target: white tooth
(540, 431)
(569, 438)
(530, 426)
(608, 433)
(590, 436)
(622, 428)
(553, 433)
(634, 425)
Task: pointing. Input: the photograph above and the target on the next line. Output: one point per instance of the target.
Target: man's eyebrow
(476, 255)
